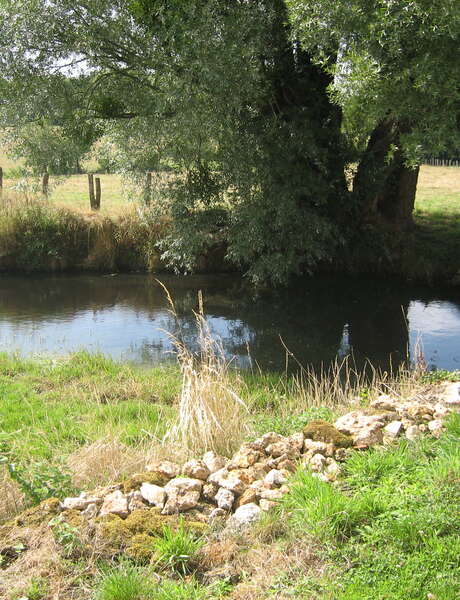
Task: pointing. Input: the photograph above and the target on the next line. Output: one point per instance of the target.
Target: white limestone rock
(196, 469)
(214, 462)
(115, 503)
(153, 494)
(225, 499)
(228, 480)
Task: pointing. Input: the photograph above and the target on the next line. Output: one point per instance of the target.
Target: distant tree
(48, 148)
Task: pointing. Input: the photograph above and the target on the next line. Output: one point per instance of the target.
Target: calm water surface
(126, 317)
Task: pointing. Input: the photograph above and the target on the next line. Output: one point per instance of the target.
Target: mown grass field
(437, 202)
(438, 198)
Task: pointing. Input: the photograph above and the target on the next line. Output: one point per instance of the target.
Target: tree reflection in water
(126, 316)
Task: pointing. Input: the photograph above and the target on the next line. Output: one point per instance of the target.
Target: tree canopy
(249, 110)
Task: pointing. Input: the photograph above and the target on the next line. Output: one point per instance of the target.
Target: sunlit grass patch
(391, 528)
(177, 549)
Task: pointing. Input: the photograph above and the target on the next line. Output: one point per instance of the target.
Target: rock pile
(257, 476)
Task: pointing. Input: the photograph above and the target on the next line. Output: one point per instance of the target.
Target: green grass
(129, 582)
(388, 531)
(177, 549)
(65, 404)
(125, 582)
(80, 421)
(50, 410)
(391, 532)
(436, 247)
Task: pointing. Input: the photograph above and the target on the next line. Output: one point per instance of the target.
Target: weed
(177, 549)
(36, 590)
(440, 375)
(211, 414)
(124, 582)
(66, 535)
(39, 481)
(172, 590)
(220, 588)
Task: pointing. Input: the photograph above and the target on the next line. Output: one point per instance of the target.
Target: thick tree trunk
(300, 92)
(384, 186)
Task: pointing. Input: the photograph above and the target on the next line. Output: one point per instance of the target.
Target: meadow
(388, 531)
(437, 200)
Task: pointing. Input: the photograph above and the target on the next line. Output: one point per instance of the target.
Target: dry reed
(211, 414)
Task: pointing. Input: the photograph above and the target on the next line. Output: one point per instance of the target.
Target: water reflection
(127, 317)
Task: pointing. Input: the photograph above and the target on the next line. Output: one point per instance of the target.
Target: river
(320, 319)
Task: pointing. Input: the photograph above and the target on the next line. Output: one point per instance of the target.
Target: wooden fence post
(148, 189)
(92, 199)
(97, 200)
(45, 184)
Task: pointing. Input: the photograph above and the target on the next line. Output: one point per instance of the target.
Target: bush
(35, 234)
(39, 481)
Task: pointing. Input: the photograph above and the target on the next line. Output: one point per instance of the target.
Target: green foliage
(36, 234)
(38, 480)
(177, 549)
(211, 92)
(36, 590)
(47, 148)
(393, 532)
(389, 57)
(66, 535)
(124, 582)
(440, 375)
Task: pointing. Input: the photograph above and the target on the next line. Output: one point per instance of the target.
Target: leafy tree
(251, 126)
(395, 69)
(48, 148)
(214, 90)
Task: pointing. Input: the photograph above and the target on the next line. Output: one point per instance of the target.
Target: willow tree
(214, 91)
(249, 113)
(396, 77)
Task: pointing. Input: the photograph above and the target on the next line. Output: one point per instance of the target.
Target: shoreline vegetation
(84, 421)
(59, 234)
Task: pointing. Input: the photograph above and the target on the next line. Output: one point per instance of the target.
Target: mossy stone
(135, 482)
(322, 431)
(119, 535)
(38, 514)
(140, 548)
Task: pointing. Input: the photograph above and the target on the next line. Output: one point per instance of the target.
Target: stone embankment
(257, 476)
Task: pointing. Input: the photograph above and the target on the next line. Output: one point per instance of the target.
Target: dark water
(126, 317)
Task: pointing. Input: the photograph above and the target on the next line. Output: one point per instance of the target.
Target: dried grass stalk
(211, 414)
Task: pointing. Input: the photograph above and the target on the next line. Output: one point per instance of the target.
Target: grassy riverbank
(388, 531)
(63, 234)
(97, 420)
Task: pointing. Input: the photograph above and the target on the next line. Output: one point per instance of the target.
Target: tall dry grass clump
(211, 415)
(343, 386)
